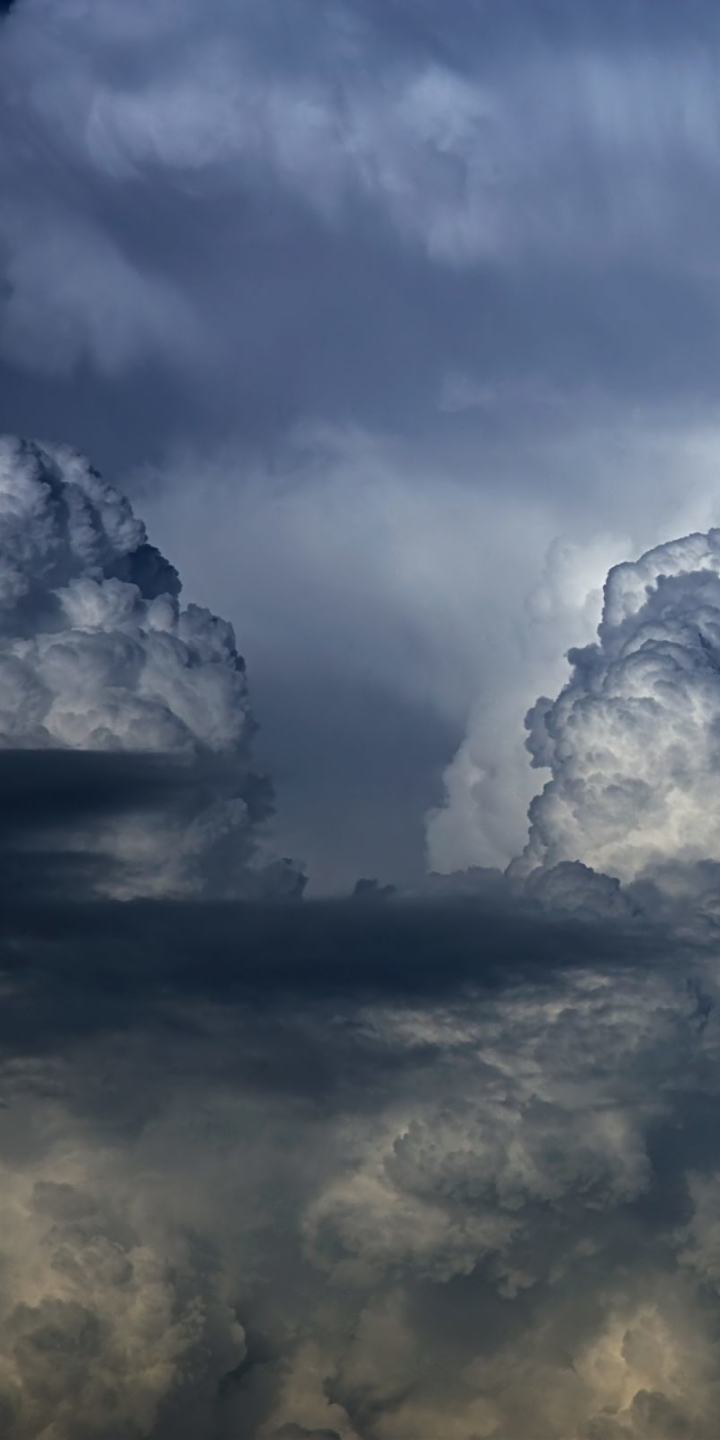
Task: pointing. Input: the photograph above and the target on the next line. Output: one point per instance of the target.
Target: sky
(399, 323)
(359, 717)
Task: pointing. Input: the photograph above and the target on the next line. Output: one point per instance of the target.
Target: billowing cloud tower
(97, 653)
(633, 739)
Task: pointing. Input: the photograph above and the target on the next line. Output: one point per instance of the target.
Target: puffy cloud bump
(97, 653)
(633, 739)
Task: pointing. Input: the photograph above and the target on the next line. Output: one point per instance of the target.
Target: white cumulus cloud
(632, 740)
(98, 653)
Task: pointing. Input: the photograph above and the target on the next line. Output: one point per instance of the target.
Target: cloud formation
(631, 740)
(361, 1169)
(457, 1191)
(465, 234)
(375, 1170)
(97, 1325)
(97, 653)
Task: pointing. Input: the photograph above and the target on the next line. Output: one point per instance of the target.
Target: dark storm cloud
(48, 798)
(391, 1160)
(373, 1167)
(77, 964)
(43, 789)
(269, 955)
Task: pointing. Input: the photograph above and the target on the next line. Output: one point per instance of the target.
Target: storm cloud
(370, 1168)
(351, 1168)
(398, 324)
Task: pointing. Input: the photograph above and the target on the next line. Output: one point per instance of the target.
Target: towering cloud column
(97, 652)
(633, 740)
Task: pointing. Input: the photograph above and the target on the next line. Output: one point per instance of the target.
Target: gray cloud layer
(372, 1172)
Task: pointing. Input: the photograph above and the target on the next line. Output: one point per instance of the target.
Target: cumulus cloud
(487, 787)
(631, 739)
(97, 653)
